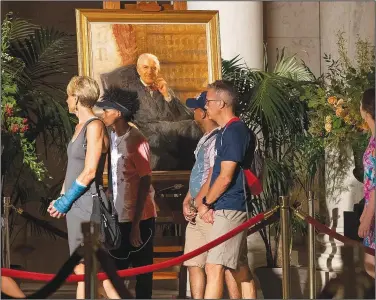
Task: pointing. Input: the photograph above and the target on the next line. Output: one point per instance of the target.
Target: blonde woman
(85, 168)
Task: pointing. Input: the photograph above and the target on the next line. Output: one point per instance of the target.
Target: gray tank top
(76, 162)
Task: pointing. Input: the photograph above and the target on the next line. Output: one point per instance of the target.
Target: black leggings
(128, 255)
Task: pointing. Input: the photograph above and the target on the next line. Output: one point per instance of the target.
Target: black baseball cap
(198, 102)
(114, 98)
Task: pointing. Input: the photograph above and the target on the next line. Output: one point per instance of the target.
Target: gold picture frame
(183, 66)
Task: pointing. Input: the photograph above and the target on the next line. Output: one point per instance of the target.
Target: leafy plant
(33, 58)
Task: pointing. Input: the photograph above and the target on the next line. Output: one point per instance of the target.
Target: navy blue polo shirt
(232, 144)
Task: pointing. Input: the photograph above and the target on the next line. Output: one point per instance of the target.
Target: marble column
(342, 192)
(241, 29)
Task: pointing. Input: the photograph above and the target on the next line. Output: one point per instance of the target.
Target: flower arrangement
(334, 99)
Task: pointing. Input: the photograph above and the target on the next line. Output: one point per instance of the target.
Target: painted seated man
(166, 122)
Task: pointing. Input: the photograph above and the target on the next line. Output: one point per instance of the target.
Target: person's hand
(188, 213)
(208, 217)
(364, 227)
(53, 211)
(205, 214)
(135, 236)
(162, 87)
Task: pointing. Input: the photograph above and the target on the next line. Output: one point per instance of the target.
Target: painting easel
(146, 5)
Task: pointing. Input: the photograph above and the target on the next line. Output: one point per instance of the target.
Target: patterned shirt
(205, 154)
(369, 162)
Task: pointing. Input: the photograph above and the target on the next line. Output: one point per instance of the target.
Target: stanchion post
(285, 227)
(311, 248)
(90, 232)
(6, 204)
(349, 273)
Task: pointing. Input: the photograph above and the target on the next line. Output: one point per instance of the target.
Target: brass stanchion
(285, 227)
(90, 232)
(6, 240)
(311, 248)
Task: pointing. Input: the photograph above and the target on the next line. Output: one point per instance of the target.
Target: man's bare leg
(243, 277)
(197, 281)
(234, 290)
(214, 281)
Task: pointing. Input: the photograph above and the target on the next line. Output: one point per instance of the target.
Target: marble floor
(68, 291)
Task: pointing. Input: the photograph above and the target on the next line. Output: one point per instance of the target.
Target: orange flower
(332, 100)
(340, 112)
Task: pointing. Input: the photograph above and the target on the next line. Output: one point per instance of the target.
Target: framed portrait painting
(185, 42)
(186, 45)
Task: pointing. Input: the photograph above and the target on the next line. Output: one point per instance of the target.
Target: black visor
(108, 104)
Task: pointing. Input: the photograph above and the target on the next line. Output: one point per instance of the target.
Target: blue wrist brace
(64, 202)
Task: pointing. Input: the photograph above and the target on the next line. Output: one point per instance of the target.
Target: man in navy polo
(227, 194)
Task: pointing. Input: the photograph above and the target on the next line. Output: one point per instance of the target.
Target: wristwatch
(210, 206)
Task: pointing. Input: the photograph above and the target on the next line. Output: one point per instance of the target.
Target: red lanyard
(232, 120)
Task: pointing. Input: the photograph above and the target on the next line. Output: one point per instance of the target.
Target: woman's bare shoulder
(96, 126)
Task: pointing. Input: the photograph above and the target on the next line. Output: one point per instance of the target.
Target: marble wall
(309, 29)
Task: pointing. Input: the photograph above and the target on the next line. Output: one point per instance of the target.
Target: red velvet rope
(144, 269)
(325, 229)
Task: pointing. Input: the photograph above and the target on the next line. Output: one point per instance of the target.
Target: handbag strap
(84, 145)
(109, 168)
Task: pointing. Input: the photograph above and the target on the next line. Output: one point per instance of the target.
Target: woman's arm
(368, 214)
(62, 192)
(367, 218)
(363, 214)
(95, 141)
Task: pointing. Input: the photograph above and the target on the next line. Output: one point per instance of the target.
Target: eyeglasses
(209, 100)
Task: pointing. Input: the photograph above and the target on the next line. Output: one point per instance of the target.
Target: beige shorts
(233, 252)
(196, 236)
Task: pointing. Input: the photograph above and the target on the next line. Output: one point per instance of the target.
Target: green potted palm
(33, 110)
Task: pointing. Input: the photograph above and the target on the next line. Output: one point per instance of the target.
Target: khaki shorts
(233, 252)
(196, 236)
